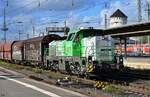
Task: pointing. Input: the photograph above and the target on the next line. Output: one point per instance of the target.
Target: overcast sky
(42, 13)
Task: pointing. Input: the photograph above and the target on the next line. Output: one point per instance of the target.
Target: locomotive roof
(86, 30)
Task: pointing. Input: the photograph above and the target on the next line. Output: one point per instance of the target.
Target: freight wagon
(5, 51)
(34, 49)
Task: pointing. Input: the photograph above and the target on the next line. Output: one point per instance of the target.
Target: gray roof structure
(131, 30)
(118, 13)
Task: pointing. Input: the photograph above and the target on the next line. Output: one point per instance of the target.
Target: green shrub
(37, 70)
(113, 89)
(11, 66)
(109, 89)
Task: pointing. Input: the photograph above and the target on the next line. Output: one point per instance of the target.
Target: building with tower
(118, 18)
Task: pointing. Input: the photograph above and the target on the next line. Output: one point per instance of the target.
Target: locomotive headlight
(58, 80)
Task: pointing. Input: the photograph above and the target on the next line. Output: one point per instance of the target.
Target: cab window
(71, 36)
(77, 38)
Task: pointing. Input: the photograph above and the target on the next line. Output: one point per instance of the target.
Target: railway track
(139, 90)
(137, 74)
(127, 82)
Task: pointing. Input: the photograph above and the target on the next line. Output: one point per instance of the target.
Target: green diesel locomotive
(84, 51)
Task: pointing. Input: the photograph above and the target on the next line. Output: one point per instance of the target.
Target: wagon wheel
(49, 65)
(54, 66)
(87, 76)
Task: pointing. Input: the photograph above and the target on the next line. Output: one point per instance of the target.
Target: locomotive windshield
(71, 36)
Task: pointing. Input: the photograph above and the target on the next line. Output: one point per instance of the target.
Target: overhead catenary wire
(26, 5)
(35, 8)
(15, 10)
(72, 4)
(39, 4)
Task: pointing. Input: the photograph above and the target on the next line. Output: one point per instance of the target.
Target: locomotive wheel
(55, 66)
(49, 65)
(52, 66)
(87, 76)
(46, 64)
(67, 67)
(75, 68)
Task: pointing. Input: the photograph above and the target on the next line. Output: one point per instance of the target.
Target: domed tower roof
(118, 13)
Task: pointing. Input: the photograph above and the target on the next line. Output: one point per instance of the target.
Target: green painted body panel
(73, 47)
(68, 48)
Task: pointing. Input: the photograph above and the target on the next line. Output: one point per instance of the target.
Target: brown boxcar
(18, 51)
(1, 50)
(34, 48)
(5, 51)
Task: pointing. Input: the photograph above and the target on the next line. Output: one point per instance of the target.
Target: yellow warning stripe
(96, 84)
(90, 68)
(100, 84)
